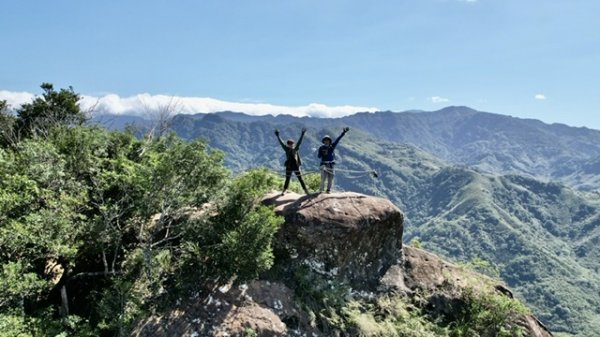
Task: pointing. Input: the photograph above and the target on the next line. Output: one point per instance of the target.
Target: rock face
(349, 235)
(424, 272)
(257, 307)
(346, 239)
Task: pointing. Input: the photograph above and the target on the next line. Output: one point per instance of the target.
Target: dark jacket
(327, 152)
(292, 161)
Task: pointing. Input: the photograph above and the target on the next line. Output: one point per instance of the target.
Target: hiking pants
(326, 174)
(288, 175)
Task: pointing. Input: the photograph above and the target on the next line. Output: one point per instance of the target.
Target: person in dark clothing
(327, 155)
(292, 161)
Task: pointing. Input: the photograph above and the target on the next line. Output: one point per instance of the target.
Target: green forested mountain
(538, 236)
(463, 136)
(495, 143)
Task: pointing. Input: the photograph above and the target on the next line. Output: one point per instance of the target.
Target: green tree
(235, 238)
(52, 109)
(39, 215)
(7, 125)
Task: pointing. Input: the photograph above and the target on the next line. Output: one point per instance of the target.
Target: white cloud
(143, 104)
(438, 99)
(540, 97)
(15, 99)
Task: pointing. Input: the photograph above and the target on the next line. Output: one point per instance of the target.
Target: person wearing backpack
(327, 155)
(292, 161)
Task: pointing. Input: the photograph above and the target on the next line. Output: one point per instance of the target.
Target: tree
(7, 125)
(52, 109)
(162, 116)
(40, 217)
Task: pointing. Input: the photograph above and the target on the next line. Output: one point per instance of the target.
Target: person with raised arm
(327, 155)
(292, 161)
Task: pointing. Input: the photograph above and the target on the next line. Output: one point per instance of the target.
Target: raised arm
(301, 138)
(337, 140)
(279, 139)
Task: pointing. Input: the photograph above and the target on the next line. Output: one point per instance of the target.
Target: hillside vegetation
(537, 236)
(98, 229)
(463, 136)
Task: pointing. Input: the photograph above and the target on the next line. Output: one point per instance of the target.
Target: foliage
(7, 125)
(312, 181)
(249, 332)
(483, 266)
(335, 308)
(415, 242)
(105, 225)
(390, 316)
(14, 324)
(53, 108)
(234, 240)
(323, 299)
(488, 314)
(17, 283)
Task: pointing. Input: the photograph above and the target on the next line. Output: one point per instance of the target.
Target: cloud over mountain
(16, 98)
(143, 104)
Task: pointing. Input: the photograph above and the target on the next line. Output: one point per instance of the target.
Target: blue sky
(529, 59)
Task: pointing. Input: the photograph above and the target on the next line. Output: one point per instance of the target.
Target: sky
(523, 58)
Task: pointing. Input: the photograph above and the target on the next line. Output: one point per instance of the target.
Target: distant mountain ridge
(495, 143)
(460, 135)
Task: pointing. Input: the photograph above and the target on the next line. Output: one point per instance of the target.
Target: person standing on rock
(327, 155)
(292, 161)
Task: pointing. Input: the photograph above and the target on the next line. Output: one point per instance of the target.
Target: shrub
(488, 314)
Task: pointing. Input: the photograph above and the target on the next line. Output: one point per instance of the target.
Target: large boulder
(349, 236)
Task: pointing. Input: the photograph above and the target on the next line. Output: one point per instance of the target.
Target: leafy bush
(390, 316)
(108, 226)
(488, 314)
(235, 238)
(483, 266)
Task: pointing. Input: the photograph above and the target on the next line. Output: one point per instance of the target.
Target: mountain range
(517, 193)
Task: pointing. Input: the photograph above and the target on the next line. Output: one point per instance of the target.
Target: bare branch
(161, 115)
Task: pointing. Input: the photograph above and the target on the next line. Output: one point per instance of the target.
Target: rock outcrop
(446, 283)
(346, 239)
(349, 235)
(258, 306)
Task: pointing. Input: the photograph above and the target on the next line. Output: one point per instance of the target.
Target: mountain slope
(530, 231)
(494, 143)
(541, 236)
(460, 135)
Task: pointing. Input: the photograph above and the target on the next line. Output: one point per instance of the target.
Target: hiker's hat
(290, 141)
(325, 138)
